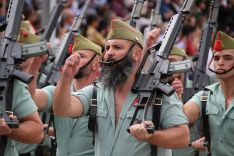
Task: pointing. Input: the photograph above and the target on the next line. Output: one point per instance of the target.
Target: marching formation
(99, 83)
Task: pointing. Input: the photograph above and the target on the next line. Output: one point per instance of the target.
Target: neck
(83, 82)
(227, 90)
(127, 86)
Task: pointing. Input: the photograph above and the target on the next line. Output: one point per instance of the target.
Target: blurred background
(101, 12)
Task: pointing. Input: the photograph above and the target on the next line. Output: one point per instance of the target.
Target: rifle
(10, 56)
(151, 79)
(53, 75)
(136, 11)
(155, 15)
(200, 78)
(45, 34)
(53, 20)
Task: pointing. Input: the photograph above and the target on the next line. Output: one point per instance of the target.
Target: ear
(136, 55)
(96, 65)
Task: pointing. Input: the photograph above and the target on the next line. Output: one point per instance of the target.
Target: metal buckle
(94, 102)
(204, 98)
(9, 113)
(158, 101)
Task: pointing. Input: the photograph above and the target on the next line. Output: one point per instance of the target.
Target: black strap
(156, 118)
(8, 106)
(53, 140)
(205, 119)
(92, 124)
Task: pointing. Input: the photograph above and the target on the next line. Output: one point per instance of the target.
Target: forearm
(28, 132)
(175, 137)
(62, 97)
(32, 86)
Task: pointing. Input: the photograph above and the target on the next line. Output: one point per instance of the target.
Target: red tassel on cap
(70, 49)
(24, 34)
(217, 45)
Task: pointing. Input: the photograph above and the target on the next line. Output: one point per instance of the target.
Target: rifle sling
(156, 118)
(92, 124)
(205, 118)
(8, 106)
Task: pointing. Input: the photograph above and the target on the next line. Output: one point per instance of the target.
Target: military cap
(27, 37)
(222, 42)
(122, 30)
(178, 51)
(26, 24)
(82, 43)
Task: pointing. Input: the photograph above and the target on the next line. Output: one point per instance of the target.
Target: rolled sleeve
(172, 112)
(49, 90)
(197, 100)
(22, 104)
(84, 95)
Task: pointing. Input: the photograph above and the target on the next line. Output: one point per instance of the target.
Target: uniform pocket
(128, 137)
(230, 126)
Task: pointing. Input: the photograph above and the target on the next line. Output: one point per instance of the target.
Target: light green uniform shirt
(73, 135)
(111, 140)
(221, 121)
(22, 106)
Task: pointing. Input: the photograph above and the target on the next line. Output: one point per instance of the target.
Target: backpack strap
(92, 123)
(205, 118)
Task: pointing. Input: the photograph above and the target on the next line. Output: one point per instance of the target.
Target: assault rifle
(200, 78)
(53, 20)
(155, 15)
(53, 75)
(11, 56)
(136, 12)
(151, 78)
(45, 34)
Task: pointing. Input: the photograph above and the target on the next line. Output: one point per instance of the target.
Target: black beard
(117, 74)
(81, 73)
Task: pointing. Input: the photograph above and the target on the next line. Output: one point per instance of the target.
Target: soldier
(30, 126)
(177, 83)
(72, 135)
(219, 108)
(123, 54)
(177, 80)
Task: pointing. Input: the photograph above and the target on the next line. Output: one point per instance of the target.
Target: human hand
(33, 64)
(139, 131)
(152, 36)
(71, 66)
(199, 144)
(177, 85)
(4, 128)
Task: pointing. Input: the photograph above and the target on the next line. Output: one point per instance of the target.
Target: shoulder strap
(92, 124)
(205, 118)
(156, 118)
(3, 142)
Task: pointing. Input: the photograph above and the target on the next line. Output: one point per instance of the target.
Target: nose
(221, 61)
(109, 53)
